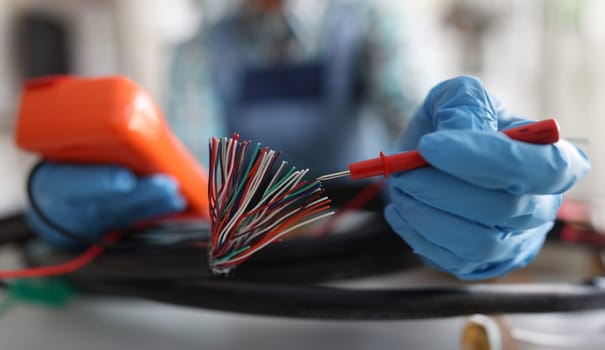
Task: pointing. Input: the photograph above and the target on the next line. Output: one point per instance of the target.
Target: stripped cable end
(253, 202)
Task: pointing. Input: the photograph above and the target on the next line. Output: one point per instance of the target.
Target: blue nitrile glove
(92, 199)
(487, 203)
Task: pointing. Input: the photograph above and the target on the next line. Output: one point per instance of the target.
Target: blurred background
(541, 58)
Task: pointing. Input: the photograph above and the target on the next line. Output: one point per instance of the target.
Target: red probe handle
(541, 133)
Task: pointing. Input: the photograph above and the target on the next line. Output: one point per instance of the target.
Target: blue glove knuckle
(420, 125)
(525, 250)
(568, 164)
(456, 85)
(457, 197)
(458, 103)
(529, 211)
(463, 81)
(165, 182)
(156, 187)
(518, 210)
(454, 91)
(120, 178)
(462, 103)
(545, 208)
(488, 246)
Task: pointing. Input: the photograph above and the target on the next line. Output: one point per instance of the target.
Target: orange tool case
(106, 120)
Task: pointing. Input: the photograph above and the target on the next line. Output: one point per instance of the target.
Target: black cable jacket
(191, 265)
(256, 288)
(317, 302)
(274, 281)
(279, 298)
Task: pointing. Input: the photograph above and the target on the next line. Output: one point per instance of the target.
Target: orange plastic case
(107, 120)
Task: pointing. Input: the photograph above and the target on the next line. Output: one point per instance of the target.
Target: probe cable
(68, 267)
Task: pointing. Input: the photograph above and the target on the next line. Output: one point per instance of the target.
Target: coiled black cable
(280, 280)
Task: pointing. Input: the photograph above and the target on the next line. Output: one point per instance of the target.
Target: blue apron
(307, 110)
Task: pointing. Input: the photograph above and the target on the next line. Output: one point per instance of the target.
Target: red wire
(226, 188)
(68, 267)
(231, 235)
(211, 190)
(289, 222)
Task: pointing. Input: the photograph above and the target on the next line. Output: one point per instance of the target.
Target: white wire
(296, 177)
(256, 181)
(275, 176)
(252, 251)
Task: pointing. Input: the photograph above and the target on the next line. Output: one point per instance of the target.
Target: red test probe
(540, 133)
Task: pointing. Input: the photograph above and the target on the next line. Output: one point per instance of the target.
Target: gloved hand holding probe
(487, 202)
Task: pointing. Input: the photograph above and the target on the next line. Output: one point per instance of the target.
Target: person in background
(330, 78)
(331, 91)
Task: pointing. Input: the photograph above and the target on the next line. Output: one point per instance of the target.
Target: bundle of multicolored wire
(254, 203)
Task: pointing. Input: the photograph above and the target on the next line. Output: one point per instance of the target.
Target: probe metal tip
(334, 175)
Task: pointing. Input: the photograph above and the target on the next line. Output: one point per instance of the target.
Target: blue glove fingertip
(445, 90)
(155, 195)
(461, 103)
(167, 183)
(123, 179)
(178, 203)
(171, 188)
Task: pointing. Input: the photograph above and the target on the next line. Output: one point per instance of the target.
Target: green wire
(246, 221)
(243, 182)
(272, 189)
(232, 254)
(53, 292)
(295, 193)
